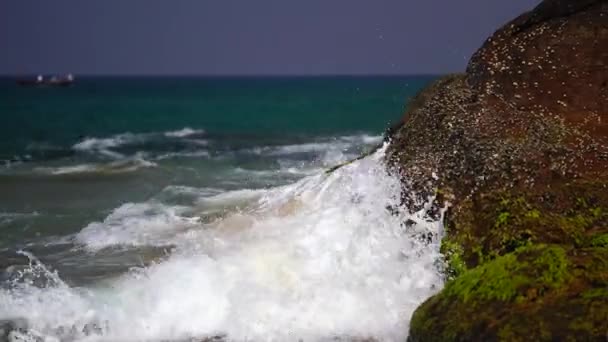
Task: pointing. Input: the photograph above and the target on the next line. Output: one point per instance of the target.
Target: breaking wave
(108, 146)
(316, 260)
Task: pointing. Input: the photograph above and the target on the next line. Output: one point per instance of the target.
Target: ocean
(178, 209)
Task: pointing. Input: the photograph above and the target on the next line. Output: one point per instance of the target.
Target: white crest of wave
(105, 143)
(334, 145)
(184, 132)
(363, 138)
(119, 166)
(135, 224)
(315, 260)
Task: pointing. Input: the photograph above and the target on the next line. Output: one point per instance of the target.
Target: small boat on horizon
(40, 80)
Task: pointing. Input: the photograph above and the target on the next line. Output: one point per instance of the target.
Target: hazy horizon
(111, 75)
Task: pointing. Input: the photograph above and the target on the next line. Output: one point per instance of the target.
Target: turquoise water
(81, 151)
(42, 121)
(113, 177)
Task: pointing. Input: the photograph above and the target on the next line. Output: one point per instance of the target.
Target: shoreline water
(309, 260)
(141, 217)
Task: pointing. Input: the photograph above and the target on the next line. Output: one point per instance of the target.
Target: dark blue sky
(246, 37)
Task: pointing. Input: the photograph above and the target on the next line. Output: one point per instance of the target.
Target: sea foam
(107, 145)
(115, 167)
(184, 132)
(319, 259)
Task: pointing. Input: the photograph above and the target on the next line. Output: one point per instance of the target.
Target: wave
(342, 143)
(315, 260)
(120, 166)
(7, 217)
(199, 142)
(187, 143)
(364, 139)
(105, 145)
(278, 174)
(307, 148)
(156, 224)
(179, 190)
(184, 132)
(188, 154)
(135, 225)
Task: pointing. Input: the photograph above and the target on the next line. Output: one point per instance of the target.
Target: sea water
(179, 209)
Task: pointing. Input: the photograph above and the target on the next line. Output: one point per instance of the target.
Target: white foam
(17, 215)
(184, 132)
(273, 176)
(192, 191)
(228, 200)
(135, 225)
(314, 260)
(338, 144)
(363, 138)
(190, 154)
(105, 145)
(309, 147)
(199, 142)
(82, 168)
(258, 173)
(89, 144)
(120, 166)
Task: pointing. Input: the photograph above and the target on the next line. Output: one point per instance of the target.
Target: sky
(246, 37)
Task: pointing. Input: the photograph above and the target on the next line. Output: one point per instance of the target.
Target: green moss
(512, 241)
(574, 227)
(507, 277)
(537, 293)
(519, 260)
(502, 222)
(533, 214)
(554, 263)
(481, 257)
(502, 219)
(493, 280)
(581, 202)
(600, 240)
(601, 293)
(506, 334)
(452, 253)
(580, 221)
(596, 212)
(581, 325)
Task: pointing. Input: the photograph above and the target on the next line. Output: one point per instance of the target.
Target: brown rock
(554, 60)
(519, 147)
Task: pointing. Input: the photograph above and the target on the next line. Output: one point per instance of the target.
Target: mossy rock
(517, 148)
(492, 224)
(536, 293)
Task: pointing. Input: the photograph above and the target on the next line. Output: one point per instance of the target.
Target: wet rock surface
(518, 146)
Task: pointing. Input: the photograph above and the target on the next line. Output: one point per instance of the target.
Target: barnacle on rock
(521, 143)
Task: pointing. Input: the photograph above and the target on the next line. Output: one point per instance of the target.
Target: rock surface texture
(518, 146)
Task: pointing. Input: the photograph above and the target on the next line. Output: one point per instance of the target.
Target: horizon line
(85, 75)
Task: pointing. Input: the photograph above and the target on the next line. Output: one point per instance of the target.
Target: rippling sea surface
(150, 209)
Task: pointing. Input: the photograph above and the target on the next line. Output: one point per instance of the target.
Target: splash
(316, 260)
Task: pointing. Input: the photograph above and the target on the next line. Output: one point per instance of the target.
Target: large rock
(518, 146)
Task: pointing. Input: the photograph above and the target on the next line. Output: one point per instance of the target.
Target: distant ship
(40, 80)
